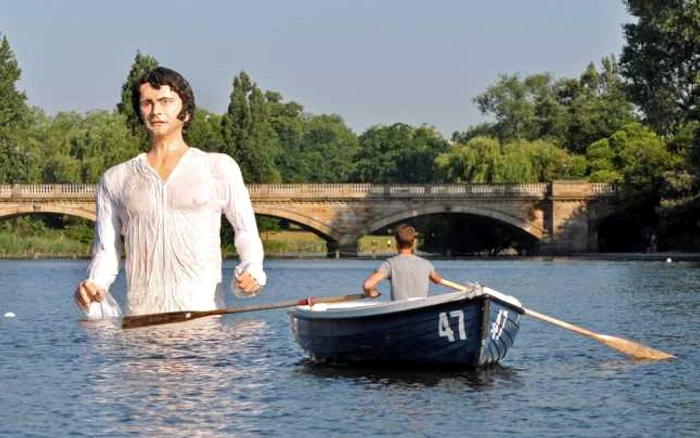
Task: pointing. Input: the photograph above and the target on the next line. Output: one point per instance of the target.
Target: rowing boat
(470, 329)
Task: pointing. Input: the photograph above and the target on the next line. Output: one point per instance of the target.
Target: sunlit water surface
(243, 374)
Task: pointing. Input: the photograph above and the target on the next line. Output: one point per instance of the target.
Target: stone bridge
(564, 216)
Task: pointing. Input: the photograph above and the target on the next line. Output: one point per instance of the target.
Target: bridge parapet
(581, 189)
(364, 191)
(48, 191)
(349, 191)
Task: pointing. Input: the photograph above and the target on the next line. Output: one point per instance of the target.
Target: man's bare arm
(370, 284)
(435, 277)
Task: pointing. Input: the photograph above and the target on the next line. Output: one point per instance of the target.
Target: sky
(373, 62)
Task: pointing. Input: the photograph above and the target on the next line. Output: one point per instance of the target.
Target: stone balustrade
(343, 191)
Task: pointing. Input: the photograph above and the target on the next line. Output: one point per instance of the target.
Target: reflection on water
(171, 372)
(475, 380)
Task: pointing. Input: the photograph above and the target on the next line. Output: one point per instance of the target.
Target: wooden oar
(633, 349)
(171, 317)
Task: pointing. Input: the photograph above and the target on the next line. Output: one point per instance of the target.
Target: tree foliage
(570, 112)
(661, 61)
(204, 131)
(399, 154)
(634, 156)
(142, 63)
(323, 151)
(486, 160)
(515, 104)
(248, 133)
(16, 155)
(595, 106)
(80, 149)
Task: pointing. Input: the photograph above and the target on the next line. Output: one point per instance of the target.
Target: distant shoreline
(657, 257)
(646, 256)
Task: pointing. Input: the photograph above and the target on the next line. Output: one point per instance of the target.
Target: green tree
(643, 157)
(322, 152)
(522, 108)
(595, 106)
(16, 154)
(477, 161)
(570, 112)
(634, 156)
(286, 120)
(479, 130)
(485, 160)
(399, 154)
(328, 147)
(142, 64)
(249, 136)
(515, 164)
(80, 149)
(204, 132)
(285, 117)
(661, 63)
(680, 180)
(99, 142)
(53, 134)
(602, 162)
(545, 160)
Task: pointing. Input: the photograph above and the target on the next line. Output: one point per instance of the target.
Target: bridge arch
(48, 208)
(529, 227)
(313, 224)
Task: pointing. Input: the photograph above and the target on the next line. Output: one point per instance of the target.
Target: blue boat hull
(457, 329)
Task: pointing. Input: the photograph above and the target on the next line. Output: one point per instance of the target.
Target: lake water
(243, 375)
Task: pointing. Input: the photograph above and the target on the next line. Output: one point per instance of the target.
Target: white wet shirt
(171, 231)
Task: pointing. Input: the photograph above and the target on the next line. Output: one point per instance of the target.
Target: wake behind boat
(470, 329)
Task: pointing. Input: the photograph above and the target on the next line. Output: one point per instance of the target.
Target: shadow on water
(481, 379)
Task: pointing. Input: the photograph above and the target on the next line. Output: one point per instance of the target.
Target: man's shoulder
(213, 157)
(120, 169)
(410, 259)
(217, 161)
(398, 259)
(115, 178)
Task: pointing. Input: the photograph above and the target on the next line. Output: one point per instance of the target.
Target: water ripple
(242, 375)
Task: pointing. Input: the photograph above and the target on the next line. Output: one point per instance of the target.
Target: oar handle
(182, 316)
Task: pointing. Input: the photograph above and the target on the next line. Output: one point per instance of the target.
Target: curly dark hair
(158, 77)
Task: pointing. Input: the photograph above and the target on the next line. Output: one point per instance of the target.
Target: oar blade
(633, 349)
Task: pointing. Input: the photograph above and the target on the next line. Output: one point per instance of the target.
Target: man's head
(159, 77)
(405, 236)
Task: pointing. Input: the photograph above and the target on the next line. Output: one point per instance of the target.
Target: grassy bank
(308, 244)
(41, 246)
(61, 244)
